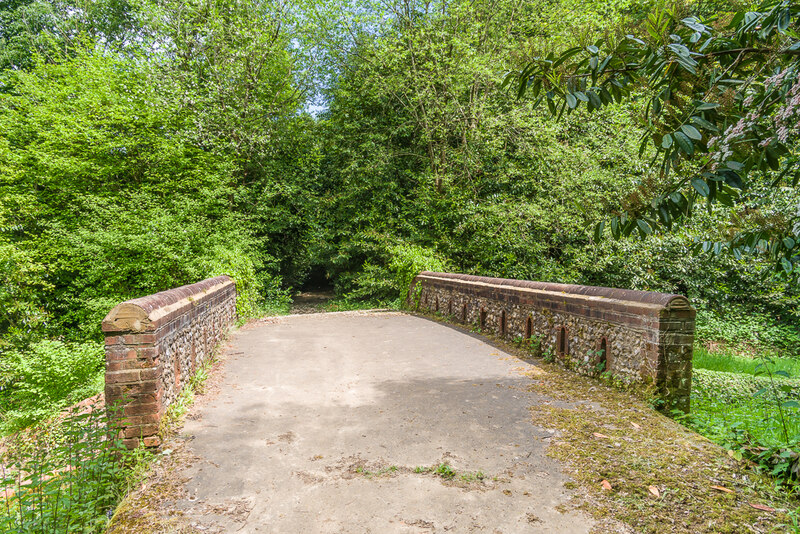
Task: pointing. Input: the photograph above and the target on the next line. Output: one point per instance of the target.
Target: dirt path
(368, 422)
(311, 300)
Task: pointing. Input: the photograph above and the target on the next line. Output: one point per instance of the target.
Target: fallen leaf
(606, 485)
(654, 491)
(634, 425)
(761, 507)
(599, 435)
(720, 488)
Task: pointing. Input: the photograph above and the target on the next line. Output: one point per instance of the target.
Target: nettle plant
(722, 118)
(63, 477)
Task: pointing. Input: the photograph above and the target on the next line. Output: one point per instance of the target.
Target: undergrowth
(65, 477)
(756, 416)
(37, 382)
(749, 329)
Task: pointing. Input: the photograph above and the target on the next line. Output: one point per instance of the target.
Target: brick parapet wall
(154, 344)
(648, 337)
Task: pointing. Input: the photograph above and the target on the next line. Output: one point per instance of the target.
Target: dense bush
(390, 281)
(45, 377)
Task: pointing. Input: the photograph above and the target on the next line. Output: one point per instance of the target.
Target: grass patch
(729, 361)
(383, 471)
(449, 474)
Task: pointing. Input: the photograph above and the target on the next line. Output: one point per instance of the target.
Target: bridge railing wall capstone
(638, 336)
(153, 346)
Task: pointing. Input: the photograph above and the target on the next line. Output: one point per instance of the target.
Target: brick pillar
(151, 346)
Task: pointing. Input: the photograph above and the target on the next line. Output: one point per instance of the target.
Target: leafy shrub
(734, 326)
(47, 377)
(21, 286)
(390, 280)
(234, 262)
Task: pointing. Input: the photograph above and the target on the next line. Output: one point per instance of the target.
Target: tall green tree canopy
(722, 116)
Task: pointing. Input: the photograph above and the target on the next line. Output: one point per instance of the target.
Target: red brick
(140, 431)
(151, 373)
(149, 398)
(129, 376)
(152, 441)
(138, 408)
(139, 339)
(120, 353)
(141, 420)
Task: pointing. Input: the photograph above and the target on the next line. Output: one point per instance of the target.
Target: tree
(722, 115)
(49, 27)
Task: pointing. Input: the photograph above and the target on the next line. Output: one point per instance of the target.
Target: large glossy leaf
(691, 132)
(572, 102)
(684, 143)
(701, 186)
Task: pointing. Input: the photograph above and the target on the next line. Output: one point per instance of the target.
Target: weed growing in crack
(445, 471)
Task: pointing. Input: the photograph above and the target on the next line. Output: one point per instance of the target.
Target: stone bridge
(379, 421)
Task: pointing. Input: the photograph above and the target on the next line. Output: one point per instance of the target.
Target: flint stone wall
(638, 336)
(153, 346)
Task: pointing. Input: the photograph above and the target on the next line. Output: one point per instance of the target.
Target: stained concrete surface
(329, 423)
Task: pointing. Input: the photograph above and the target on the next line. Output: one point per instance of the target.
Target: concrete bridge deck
(332, 423)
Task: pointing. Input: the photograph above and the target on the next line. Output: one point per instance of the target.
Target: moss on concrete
(663, 477)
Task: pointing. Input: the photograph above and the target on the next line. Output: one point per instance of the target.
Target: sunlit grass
(732, 405)
(731, 362)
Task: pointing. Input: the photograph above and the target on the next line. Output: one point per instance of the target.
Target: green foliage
(21, 284)
(756, 416)
(390, 281)
(48, 376)
(66, 482)
(444, 470)
(492, 188)
(737, 386)
(46, 27)
(755, 329)
(722, 107)
(232, 261)
(729, 361)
